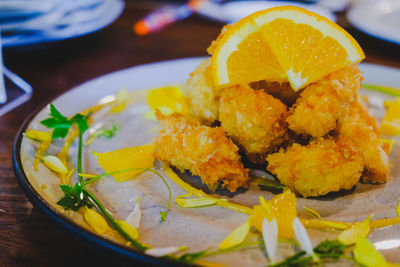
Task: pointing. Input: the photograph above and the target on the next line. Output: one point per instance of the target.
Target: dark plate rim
(62, 219)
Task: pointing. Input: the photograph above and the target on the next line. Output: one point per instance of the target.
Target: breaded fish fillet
(201, 98)
(254, 119)
(361, 129)
(202, 150)
(318, 168)
(282, 91)
(322, 103)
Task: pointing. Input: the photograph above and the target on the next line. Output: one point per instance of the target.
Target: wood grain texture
(28, 238)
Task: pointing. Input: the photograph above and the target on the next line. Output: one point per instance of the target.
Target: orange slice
(282, 44)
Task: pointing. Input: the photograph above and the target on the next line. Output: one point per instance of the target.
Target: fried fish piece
(322, 103)
(201, 97)
(282, 91)
(254, 119)
(361, 129)
(318, 168)
(204, 151)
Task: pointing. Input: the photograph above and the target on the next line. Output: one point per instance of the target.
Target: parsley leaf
(61, 124)
(73, 198)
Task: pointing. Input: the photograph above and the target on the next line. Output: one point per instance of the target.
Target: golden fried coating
(282, 91)
(253, 119)
(321, 104)
(202, 150)
(361, 129)
(201, 97)
(318, 168)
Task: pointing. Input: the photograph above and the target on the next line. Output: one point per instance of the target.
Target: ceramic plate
(379, 19)
(196, 228)
(231, 12)
(104, 14)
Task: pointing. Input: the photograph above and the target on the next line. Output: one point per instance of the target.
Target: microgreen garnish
(104, 132)
(332, 249)
(61, 124)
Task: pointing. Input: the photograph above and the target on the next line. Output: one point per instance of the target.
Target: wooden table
(26, 236)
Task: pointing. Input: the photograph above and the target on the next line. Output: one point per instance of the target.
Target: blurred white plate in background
(69, 19)
(380, 19)
(234, 11)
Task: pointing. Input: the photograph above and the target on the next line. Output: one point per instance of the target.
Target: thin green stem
(238, 247)
(112, 222)
(97, 177)
(383, 89)
(80, 158)
(163, 214)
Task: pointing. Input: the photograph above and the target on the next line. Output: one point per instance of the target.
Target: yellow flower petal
(196, 202)
(125, 158)
(351, 235)
(391, 122)
(311, 211)
(120, 101)
(209, 264)
(55, 164)
(168, 100)
(398, 208)
(150, 115)
(96, 221)
(129, 229)
(366, 254)
(38, 135)
(322, 224)
(236, 237)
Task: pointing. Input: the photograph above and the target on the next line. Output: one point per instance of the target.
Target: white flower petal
(302, 236)
(270, 235)
(134, 217)
(160, 252)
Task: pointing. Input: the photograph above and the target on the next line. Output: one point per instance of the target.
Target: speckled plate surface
(196, 228)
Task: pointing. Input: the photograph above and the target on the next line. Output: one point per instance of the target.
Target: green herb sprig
(104, 132)
(332, 249)
(79, 196)
(62, 124)
(72, 199)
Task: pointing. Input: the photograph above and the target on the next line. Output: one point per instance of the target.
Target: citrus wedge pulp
(282, 44)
